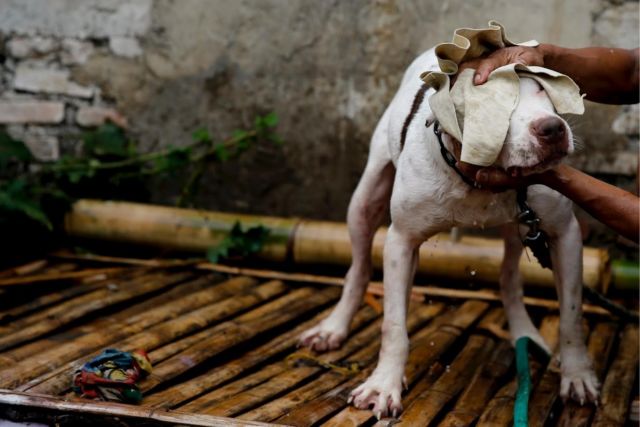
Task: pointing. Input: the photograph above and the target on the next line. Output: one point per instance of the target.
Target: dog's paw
(381, 393)
(326, 335)
(579, 382)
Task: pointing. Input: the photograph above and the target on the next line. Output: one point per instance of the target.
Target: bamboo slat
(427, 345)
(499, 410)
(242, 328)
(103, 324)
(470, 258)
(616, 390)
(61, 359)
(601, 342)
(285, 381)
(418, 292)
(56, 276)
(18, 399)
(79, 307)
(162, 333)
(226, 399)
(481, 389)
(173, 396)
(426, 407)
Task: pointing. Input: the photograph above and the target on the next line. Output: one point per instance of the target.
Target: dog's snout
(549, 129)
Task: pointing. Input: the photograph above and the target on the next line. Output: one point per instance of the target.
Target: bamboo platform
(222, 343)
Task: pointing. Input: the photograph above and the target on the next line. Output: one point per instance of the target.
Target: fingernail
(378, 415)
(477, 79)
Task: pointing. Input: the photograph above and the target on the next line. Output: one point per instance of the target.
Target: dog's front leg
(578, 379)
(383, 388)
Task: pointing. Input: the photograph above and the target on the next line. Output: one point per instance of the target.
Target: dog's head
(538, 138)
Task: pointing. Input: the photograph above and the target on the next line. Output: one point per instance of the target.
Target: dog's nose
(549, 129)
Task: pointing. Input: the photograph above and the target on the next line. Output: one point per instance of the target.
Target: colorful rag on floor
(113, 375)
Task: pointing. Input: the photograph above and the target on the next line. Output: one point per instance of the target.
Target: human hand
(494, 179)
(524, 55)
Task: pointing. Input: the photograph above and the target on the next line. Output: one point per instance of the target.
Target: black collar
(448, 157)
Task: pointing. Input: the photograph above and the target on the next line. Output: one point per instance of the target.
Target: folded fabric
(478, 116)
(113, 375)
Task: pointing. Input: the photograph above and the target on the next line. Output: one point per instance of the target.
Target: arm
(614, 207)
(605, 75)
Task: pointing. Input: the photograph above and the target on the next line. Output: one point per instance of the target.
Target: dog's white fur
(426, 197)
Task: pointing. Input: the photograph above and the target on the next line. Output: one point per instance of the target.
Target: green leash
(521, 406)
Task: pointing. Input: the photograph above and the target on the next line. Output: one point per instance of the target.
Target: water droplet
(431, 343)
(473, 272)
(447, 368)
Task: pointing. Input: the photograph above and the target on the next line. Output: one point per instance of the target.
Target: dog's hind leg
(520, 324)
(367, 209)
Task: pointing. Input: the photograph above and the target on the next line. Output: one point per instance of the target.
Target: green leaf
(16, 197)
(275, 138)
(201, 135)
(11, 149)
(108, 139)
(176, 158)
(222, 153)
(239, 243)
(270, 120)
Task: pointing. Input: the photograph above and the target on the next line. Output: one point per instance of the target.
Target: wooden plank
(175, 395)
(499, 410)
(427, 406)
(618, 384)
(103, 324)
(48, 299)
(56, 277)
(18, 399)
(601, 341)
(162, 333)
(426, 348)
(418, 292)
(351, 416)
(216, 399)
(482, 387)
(287, 380)
(79, 307)
(240, 329)
(59, 360)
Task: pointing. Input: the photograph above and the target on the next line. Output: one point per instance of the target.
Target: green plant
(34, 192)
(239, 243)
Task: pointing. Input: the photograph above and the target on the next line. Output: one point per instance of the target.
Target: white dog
(406, 169)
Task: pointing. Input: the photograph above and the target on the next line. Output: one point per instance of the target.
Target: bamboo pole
(418, 292)
(305, 241)
(617, 387)
(30, 401)
(56, 276)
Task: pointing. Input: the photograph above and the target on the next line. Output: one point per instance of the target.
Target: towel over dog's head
(512, 121)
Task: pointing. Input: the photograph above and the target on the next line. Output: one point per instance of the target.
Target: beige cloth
(478, 116)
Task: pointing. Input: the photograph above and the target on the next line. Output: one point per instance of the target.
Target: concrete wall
(328, 68)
